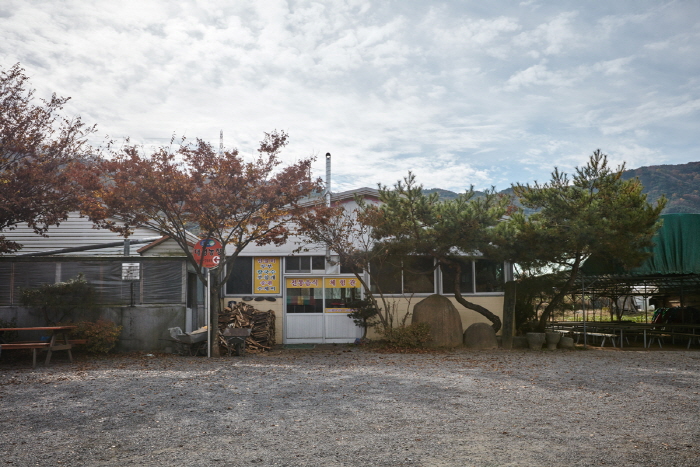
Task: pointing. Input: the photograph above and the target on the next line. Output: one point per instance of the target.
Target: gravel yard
(351, 406)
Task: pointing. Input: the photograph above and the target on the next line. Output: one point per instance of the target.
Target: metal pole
(583, 309)
(207, 307)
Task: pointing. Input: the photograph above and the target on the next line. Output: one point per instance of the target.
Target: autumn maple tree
(347, 234)
(220, 195)
(44, 159)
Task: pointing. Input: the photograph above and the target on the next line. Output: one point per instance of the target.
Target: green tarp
(677, 251)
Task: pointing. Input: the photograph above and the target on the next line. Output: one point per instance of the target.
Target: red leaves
(44, 159)
(222, 195)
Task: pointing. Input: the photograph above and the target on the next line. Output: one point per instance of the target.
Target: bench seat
(26, 345)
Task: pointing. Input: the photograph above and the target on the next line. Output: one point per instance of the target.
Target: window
(304, 295)
(489, 276)
(300, 264)
(478, 276)
(418, 276)
(341, 297)
(241, 280)
(345, 268)
(386, 278)
(466, 282)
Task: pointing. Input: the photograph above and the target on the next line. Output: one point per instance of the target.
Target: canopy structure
(672, 268)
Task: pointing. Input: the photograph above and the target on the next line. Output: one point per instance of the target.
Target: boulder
(480, 336)
(443, 318)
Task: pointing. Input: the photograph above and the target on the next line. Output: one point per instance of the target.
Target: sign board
(131, 271)
(310, 283)
(266, 279)
(208, 252)
(342, 283)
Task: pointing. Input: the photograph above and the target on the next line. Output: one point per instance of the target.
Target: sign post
(207, 253)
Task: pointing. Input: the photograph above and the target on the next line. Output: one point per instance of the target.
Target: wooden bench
(658, 335)
(26, 345)
(603, 335)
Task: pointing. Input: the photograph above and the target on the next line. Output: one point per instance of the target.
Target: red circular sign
(208, 252)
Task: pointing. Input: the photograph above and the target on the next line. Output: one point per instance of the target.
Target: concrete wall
(144, 326)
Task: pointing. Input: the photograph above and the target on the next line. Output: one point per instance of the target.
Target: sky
(458, 92)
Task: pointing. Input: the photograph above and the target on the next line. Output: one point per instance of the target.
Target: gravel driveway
(350, 406)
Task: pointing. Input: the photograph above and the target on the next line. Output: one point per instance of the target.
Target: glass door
(316, 310)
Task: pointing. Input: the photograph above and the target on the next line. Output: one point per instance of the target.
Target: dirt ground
(352, 406)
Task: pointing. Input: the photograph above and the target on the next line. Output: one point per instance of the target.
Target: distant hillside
(680, 183)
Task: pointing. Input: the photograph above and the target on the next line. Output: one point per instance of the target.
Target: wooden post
(508, 315)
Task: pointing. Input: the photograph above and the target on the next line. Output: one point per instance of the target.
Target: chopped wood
(242, 315)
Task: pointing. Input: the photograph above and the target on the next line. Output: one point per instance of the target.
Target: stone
(440, 314)
(480, 336)
(566, 342)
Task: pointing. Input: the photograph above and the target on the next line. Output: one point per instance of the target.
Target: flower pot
(535, 340)
(566, 342)
(552, 339)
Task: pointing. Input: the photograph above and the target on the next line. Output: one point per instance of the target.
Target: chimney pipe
(328, 179)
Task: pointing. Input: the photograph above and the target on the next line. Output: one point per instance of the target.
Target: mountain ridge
(679, 182)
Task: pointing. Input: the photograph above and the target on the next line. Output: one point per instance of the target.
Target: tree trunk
(495, 320)
(556, 300)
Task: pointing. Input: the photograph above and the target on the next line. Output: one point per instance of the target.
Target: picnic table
(59, 341)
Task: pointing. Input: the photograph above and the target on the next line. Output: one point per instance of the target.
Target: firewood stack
(262, 324)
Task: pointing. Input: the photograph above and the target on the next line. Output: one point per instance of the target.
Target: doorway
(316, 310)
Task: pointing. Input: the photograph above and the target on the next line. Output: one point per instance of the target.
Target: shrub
(101, 335)
(60, 301)
(9, 336)
(407, 336)
(364, 314)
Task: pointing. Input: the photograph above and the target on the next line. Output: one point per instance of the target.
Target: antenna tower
(221, 142)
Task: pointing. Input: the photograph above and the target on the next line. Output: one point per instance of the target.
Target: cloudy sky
(459, 92)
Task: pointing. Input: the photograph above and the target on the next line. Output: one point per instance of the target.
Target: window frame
(311, 259)
(475, 291)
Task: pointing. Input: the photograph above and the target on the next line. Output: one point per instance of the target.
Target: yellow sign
(306, 283)
(342, 283)
(267, 275)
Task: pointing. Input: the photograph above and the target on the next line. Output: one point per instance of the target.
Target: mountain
(680, 183)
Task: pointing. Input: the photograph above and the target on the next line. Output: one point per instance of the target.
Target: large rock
(480, 336)
(443, 318)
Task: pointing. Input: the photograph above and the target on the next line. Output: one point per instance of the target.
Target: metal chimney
(328, 179)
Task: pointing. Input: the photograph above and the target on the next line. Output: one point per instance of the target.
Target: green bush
(364, 314)
(407, 336)
(9, 336)
(101, 335)
(60, 301)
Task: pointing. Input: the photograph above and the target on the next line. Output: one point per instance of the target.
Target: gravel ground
(351, 406)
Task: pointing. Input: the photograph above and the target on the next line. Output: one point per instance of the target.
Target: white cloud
(552, 37)
(458, 93)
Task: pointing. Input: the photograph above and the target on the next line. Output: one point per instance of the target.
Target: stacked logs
(242, 315)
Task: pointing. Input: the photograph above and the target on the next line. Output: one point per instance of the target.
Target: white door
(316, 310)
